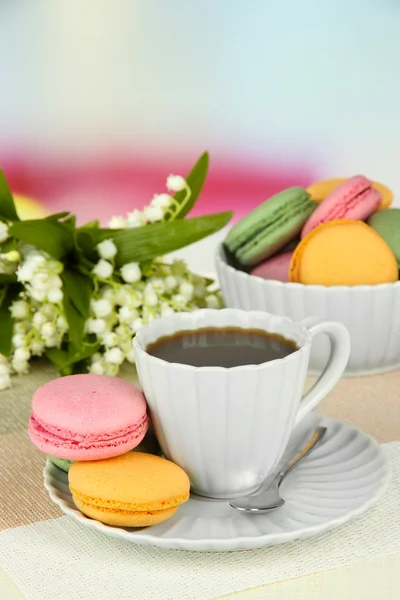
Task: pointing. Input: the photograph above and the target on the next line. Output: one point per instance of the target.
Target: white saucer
(341, 479)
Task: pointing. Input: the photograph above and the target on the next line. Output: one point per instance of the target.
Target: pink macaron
(87, 417)
(354, 199)
(276, 267)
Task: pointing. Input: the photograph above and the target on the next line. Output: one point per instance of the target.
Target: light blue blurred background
(308, 86)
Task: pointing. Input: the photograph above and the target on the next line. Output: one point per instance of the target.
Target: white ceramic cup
(228, 427)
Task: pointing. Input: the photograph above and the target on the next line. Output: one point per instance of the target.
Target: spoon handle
(316, 438)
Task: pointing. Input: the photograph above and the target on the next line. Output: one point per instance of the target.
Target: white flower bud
(21, 354)
(39, 319)
(170, 282)
(110, 369)
(122, 296)
(212, 301)
(131, 272)
(20, 309)
(36, 294)
(117, 222)
(61, 322)
(48, 330)
(52, 342)
(187, 290)
(130, 357)
(153, 213)
(175, 183)
(107, 249)
(55, 295)
(158, 285)
(25, 272)
(96, 325)
(103, 269)
(110, 339)
(108, 293)
(161, 200)
(135, 219)
(4, 370)
(150, 297)
(97, 368)
(200, 290)
(20, 367)
(114, 356)
(13, 256)
(49, 311)
(166, 310)
(178, 301)
(40, 281)
(36, 259)
(54, 282)
(3, 231)
(127, 315)
(101, 308)
(37, 347)
(19, 340)
(136, 325)
(122, 332)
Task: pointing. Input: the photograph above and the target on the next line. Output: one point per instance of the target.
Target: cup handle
(339, 338)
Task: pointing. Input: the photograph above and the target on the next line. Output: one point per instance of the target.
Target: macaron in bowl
(343, 270)
(354, 198)
(87, 417)
(321, 189)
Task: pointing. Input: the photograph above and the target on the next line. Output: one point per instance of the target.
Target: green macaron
(387, 223)
(270, 227)
(61, 463)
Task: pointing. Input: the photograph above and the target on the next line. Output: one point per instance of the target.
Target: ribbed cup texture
(370, 313)
(227, 428)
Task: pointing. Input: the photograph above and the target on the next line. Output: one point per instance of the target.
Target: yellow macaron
(131, 490)
(321, 189)
(343, 252)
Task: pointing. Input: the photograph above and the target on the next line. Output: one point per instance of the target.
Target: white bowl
(371, 313)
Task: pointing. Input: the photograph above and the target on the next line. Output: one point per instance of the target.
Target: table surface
(370, 403)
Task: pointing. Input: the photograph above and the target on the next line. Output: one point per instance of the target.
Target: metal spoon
(267, 497)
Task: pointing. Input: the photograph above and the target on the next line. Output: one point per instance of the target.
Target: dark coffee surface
(222, 347)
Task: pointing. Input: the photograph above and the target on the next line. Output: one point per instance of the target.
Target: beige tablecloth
(371, 403)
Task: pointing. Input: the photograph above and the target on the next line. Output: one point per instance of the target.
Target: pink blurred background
(100, 101)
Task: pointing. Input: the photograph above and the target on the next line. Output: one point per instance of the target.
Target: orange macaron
(132, 490)
(343, 252)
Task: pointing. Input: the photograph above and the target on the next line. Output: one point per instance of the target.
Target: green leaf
(86, 243)
(6, 320)
(57, 216)
(9, 244)
(76, 322)
(7, 278)
(71, 221)
(7, 206)
(79, 289)
(57, 356)
(92, 224)
(145, 243)
(64, 359)
(57, 239)
(195, 181)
